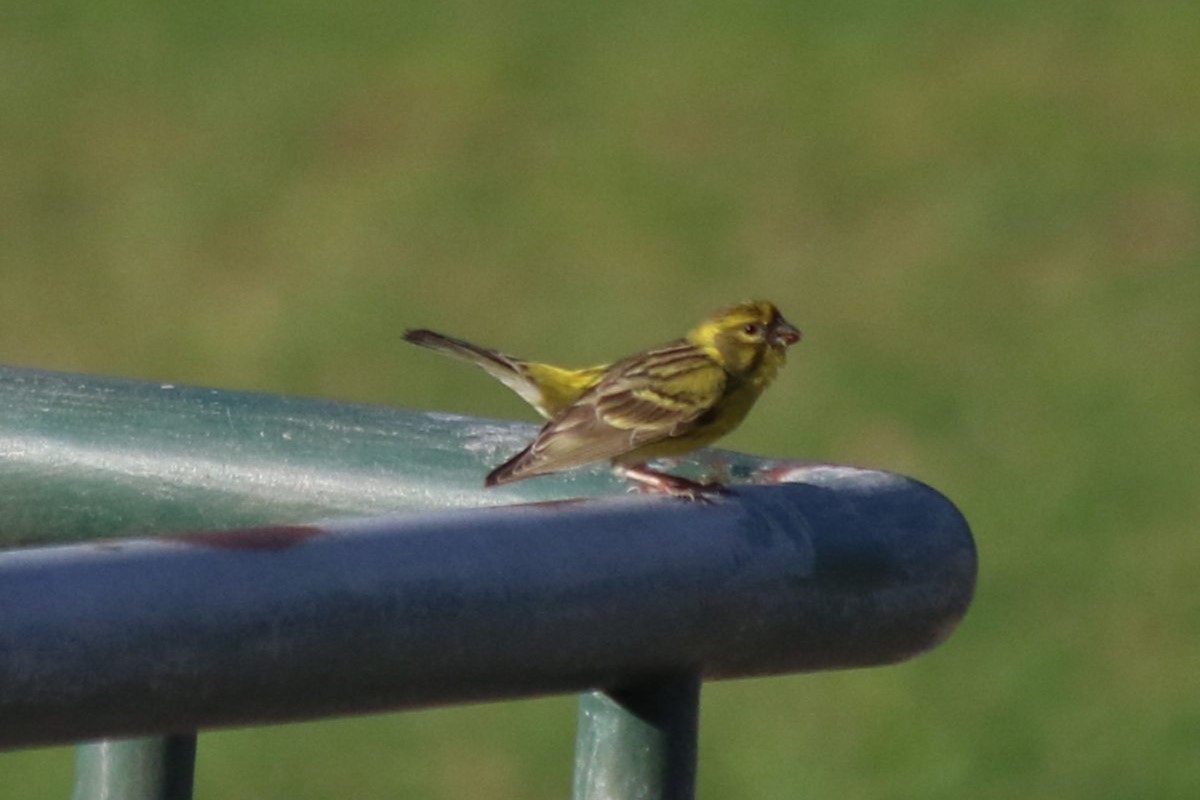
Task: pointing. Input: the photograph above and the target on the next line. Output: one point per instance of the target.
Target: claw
(649, 480)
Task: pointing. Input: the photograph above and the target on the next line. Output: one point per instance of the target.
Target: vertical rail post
(150, 768)
(638, 742)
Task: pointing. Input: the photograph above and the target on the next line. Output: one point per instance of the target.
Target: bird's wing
(653, 396)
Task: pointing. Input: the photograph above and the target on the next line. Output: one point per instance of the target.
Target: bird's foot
(648, 480)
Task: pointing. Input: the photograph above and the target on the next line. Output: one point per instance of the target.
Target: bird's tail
(481, 356)
(512, 372)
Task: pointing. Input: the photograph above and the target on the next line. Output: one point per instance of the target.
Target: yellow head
(748, 339)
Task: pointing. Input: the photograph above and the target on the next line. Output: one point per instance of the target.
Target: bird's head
(742, 337)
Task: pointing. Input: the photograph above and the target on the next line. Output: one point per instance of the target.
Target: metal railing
(333, 529)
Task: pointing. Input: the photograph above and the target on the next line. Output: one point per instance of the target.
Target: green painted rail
(639, 599)
(150, 768)
(85, 456)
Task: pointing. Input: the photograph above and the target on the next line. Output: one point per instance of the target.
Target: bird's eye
(752, 329)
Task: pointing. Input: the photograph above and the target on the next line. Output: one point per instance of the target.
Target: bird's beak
(784, 333)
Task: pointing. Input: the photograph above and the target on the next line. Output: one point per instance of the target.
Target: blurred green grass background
(985, 216)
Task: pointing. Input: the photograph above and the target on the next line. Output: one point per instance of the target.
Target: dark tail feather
(457, 347)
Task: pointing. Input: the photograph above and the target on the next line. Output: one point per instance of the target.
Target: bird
(659, 403)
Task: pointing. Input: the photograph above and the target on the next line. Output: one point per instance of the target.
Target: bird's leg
(653, 481)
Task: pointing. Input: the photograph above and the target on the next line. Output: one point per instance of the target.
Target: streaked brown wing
(644, 399)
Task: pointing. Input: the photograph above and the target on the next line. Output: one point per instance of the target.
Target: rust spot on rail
(267, 537)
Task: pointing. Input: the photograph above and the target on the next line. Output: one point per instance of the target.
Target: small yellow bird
(659, 403)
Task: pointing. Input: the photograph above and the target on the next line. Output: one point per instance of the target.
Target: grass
(986, 218)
